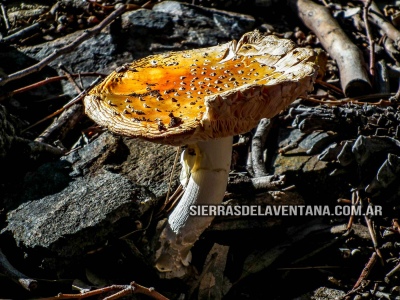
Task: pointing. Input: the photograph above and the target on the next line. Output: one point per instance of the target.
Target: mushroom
(201, 98)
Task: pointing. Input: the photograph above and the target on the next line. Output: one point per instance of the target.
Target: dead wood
(365, 272)
(67, 121)
(353, 71)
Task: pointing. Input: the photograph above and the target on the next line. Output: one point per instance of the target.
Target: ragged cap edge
(231, 112)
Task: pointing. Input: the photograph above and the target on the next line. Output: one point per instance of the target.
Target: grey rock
(358, 230)
(172, 25)
(324, 293)
(81, 217)
(310, 175)
(387, 174)
(93, 153)
(345, 156)
(142, 162)
(151, 165)
(296, 160)
(317, 141)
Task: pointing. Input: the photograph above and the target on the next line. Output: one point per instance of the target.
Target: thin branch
(69, 104)
(23, 33)
(355, 100)
(330, 86)
(373, 237)
(355, 199)
(47, 81)
(70, 78)
(392, 272)
(379, 20)
(121, 291)
(66, 49)
(5, 18)
(364, 274)
(371, 42)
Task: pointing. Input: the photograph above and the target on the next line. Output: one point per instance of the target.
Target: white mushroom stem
(206, 186)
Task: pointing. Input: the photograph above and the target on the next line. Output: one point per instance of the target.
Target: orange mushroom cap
(183, 97)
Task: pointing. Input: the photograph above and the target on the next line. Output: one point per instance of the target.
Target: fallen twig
(330, 86)
(355, 199)
(23, 33)
(371, 42)
(121, 291)
(47, 81)
(5, 18)
(66, 49)
(373, 237)
(365, 272)
(69, 104)
(70, 78)
(355, 100)
(391, 272)
(353, 74)
(7, 269)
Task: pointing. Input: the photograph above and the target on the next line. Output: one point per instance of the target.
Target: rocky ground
(79, 206)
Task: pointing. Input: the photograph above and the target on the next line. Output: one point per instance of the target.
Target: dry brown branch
(354, 201)
(365, 272)
(66, 49)
(63, 69)
(373, 237)
(121, 291)
(8, 270)
(353, 72)
(47, 81)
(392, 272)
(356, 100)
